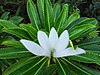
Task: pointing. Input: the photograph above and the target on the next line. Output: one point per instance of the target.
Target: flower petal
(35, 48)
(68, 52)
(43, 40)
(63, 41)
(53, 38)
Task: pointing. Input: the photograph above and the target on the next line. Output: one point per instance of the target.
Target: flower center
(52, 51)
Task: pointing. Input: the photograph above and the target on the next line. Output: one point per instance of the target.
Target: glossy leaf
(7, 24)
(73, 17)
(89, 57)
(56, 9)
(65, 67)
(90, 21)
(16, 19)
(62, 69)
(32, 66)
(90, 41)
(82, 20)
(33, 14)
(17, 32)
(31, 31)
(49, 15)
(79, 30)
(76, 22)
(11, 53)
(80, 69)
(40, 4)
(12, 43)
(88, 69)
(62, 17)
(93, 47)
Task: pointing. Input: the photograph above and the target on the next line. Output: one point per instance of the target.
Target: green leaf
(65, 67)
(18, 32)
(89, 57)
(76, 69)
(33, 14)
(4, 16)
(5, 38)
(71, 19)
(18, 10)
(56, 10)
(92, 71)
(90, 41)
(32, 65)
(62, 17)
(11, 53)
(62, 68)
(8, 62)
(75, 23)
(89, 21)
(12, 43)
(93, 47)
(16, 19)
(31, 31)
(80, 69)
(7, 24)
(86, 34)
(40, 4)
(79, 30)
(82, 20)
(49, 15)
(1, 30)
(93, 34)
(50, 70)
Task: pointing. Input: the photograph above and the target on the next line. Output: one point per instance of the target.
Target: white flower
(51, 45)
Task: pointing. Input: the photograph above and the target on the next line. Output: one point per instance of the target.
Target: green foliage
(43, 17)
(33, 15)
(31, 65)
(62, 17)
(67, 67)
(87, 8)
(31, 31)
(78, 30)
(11, 53)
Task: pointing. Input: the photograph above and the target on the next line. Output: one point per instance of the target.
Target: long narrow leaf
(33, 14)
(11, 53)
(27, 66)
(76, 68)
(4, 16)
(32, 31)
(18, 32)
(62, 17)
(71, 19)
(90, 41)
(56, 10)
(12, 43)
(7, 24)
(40, 4)
(79, 30)
(93, 47)
(89, 57)
(49, 15)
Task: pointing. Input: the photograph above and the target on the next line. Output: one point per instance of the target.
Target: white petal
(43, 39)
(53, 38)
(35, 48)
(63, 41)
(68, 52)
